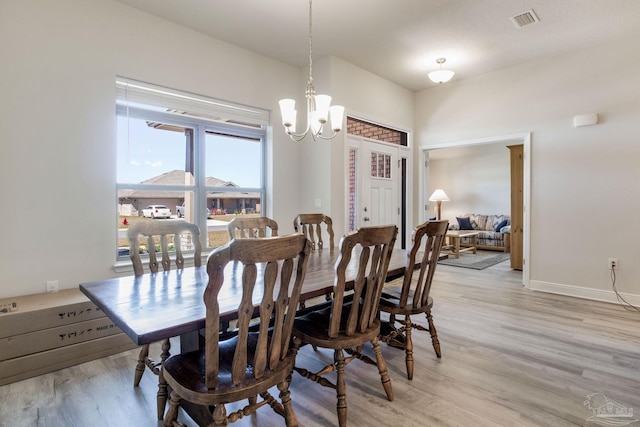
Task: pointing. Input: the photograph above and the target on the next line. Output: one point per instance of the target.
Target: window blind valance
(134, 91)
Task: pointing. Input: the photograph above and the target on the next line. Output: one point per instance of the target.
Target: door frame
(406, 209)
(520, 138)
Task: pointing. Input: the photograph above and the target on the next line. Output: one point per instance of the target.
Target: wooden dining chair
(253, 359)
(252, 227)
(347, 322)
(156, 235)
(409, 295)
(312, 225)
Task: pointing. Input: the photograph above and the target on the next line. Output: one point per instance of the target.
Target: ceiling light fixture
(441, 76)
(318, 108)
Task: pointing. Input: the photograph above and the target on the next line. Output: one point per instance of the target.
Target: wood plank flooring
(510, 357)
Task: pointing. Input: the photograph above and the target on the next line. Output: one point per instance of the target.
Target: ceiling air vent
(524, 19)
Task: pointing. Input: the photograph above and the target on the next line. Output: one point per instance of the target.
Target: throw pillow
(501, 224)
(464, 223)
(433, 218)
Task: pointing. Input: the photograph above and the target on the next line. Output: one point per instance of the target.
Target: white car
(156, 211)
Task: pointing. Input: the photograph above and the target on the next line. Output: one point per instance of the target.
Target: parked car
(156, 211)
(180, 212)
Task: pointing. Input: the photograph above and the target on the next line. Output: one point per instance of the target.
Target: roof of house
(177, 177)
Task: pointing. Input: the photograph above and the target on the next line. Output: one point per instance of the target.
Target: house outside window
(182, 155)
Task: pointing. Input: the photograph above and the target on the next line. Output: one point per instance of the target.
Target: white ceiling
(400, 40)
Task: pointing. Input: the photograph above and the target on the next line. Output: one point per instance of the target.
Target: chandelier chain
(310, 46)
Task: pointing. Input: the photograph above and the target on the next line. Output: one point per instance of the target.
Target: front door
(381, 185)
(374, 187)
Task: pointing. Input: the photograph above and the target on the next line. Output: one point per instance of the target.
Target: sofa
(494, 231)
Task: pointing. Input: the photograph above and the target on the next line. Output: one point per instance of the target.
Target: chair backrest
(252, 227)
(311, 226)
(427, 242)
(273, 271)
(372, 246)
(159, 232)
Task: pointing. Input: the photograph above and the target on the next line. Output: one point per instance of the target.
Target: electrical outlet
(8, 307)
(52, 286)
(613, 263)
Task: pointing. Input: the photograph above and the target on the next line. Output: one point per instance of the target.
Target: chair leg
(290, 418)
(434, 334)
(141, 366)
(220, 416)
(382, 369)
(172, 412)
(162, 384)
(408, 347)
(341, 388)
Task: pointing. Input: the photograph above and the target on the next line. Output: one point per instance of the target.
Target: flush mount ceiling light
(441, 76)
(318, 108)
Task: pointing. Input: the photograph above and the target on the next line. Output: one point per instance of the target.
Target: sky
(145, 152)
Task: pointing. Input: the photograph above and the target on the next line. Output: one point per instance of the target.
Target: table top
(152, 307)
(461, 233)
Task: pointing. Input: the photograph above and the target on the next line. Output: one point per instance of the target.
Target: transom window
(200, 158)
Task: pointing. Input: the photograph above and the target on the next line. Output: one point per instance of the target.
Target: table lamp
(439, 196)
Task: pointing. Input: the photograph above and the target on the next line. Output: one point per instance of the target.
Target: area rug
(478, 261)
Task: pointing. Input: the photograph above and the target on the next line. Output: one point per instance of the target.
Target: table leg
(474, 241)
(456, 246)
(190, 341)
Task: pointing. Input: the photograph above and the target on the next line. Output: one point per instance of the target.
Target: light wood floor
(511, 357)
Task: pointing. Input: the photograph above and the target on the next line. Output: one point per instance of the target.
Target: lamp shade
(439, 196)
(441, 76)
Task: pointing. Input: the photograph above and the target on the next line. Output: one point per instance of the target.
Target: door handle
(366, 218)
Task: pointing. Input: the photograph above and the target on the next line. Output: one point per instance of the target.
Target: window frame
(200, 128)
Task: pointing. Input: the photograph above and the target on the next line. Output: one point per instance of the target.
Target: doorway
(426, 187)
(378, 185)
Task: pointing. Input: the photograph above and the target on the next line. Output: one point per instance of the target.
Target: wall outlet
(613, 263)
(8, 307)
(52, 286)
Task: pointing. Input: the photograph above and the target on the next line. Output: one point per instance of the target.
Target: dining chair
(156, 235)
(253, 358)
(252, 227)
(409, 295)
(312, 225)
(347, 322)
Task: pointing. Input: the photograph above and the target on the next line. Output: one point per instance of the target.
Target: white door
(379, 202)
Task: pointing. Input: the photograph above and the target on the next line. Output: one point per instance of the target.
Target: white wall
(476, 178)
(584, 181)
(57, 135)
(364, 95)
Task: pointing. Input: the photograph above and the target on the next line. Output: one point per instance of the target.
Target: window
(380, 165)
(203, 159)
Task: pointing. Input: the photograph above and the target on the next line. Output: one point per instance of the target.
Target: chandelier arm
(322, 136)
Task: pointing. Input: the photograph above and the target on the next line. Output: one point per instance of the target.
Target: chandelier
(319, 109)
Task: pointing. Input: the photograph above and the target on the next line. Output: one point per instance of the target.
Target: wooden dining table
(156, 306)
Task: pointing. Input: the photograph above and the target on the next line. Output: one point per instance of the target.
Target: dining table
(156, 306)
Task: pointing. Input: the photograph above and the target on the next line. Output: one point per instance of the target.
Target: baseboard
(581, 292)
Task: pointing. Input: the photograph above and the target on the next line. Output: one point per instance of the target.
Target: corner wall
(584, 181)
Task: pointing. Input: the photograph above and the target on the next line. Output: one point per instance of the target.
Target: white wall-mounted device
(585, 120)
